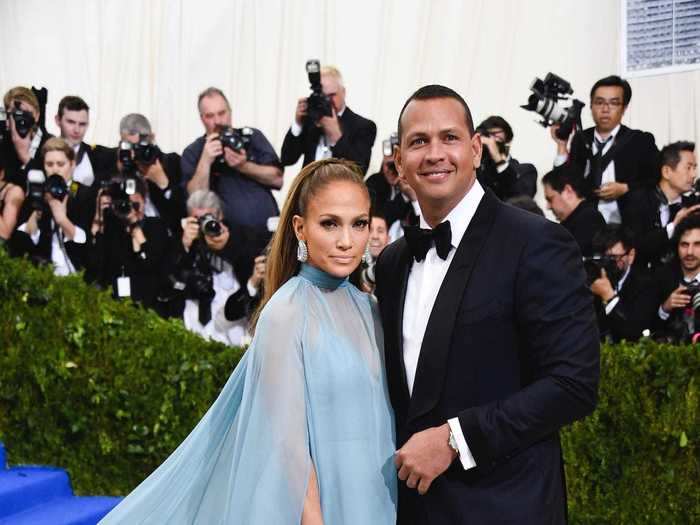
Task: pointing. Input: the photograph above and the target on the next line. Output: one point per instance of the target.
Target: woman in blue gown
(302, 432)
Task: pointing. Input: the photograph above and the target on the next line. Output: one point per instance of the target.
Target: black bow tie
(419, 240)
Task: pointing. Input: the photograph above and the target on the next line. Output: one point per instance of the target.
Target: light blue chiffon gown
(311, 388)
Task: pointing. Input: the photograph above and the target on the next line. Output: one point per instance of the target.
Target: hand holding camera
(258, 272)
(611, 191)
(213, 149)
(684, 212)
(495, 148)
(156, 174)
(602, 287)
(21, 142)
(679, 298)
(235, 158)
(331, 127)
(207, 226)
(301, 111)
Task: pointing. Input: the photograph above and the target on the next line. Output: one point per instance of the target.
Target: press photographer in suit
(614, 159)
(341, 133)
(490, 338)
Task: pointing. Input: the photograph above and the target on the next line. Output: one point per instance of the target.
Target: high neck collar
(321, 278)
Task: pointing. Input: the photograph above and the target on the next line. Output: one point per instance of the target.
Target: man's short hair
(671, 153)
(334, 72)
(134, 124)
(71, 103)
(212, 92)
(610, 235)
(204, 199)
(496, 121)
(560, 176)
(58, 144)
(615, 81)
(691, 222)
(437, 91)
(21, 94)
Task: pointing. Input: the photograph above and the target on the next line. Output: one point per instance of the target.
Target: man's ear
(398, 160)
(665, 172)
(58, 120)
(477, 147)
(298, 225)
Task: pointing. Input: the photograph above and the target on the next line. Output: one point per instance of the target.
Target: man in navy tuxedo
(491, 343)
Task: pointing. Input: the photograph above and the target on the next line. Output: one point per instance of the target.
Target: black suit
(516, 179)
(394, 208)
(511, 348)
(355, 144)
(636, 160)
(102, 160)
(583, 223)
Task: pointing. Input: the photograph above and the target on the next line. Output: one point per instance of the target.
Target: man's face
(437, 155)
(682, 177)
(378, 236)
(73, 125)
(214, 113)
(333, 90)
(557, 202)
(623, 257)
(689, 251)
(139, 206)
(607, 107)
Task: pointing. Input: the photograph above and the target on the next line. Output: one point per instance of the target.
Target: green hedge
(108, 390)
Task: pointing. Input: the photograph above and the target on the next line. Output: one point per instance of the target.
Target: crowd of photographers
(187, 235)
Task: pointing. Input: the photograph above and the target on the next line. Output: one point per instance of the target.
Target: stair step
(22, 488)
(72, 510)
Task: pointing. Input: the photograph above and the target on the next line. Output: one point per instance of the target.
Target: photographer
(165, 197)
(562, 191)
(388, 192)
(613, 158)
(499, 171)
(331, 130)
(91, 162)
(378, 239)
(625, 302)
(57, 210)
(11, 199)
(21, 149)
(127, 250)
(654, 213)
(241, 176)
(211, 263)
(678, 285)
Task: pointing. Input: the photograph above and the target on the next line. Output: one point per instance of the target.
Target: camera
(235, 139)
(318, 104)
(594, 266)
(38, 184)
(485, 153)
(367, 275)
(388, 146)
(210, 225)
(24, 120)
(145, 152)
(126, 157)
(120, 189)
(544, 100)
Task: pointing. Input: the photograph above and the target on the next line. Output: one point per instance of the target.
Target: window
(660, 36)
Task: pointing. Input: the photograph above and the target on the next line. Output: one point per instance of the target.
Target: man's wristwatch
(452, 442)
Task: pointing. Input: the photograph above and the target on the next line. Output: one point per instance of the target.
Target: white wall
(155, 56)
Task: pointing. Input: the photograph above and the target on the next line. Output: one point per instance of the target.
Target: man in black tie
(614, 159)
(490, 337)
(343, 135)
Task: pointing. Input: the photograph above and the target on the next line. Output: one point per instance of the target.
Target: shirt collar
(695, 277)
(611, 137)
(624, 277)
(461, 215)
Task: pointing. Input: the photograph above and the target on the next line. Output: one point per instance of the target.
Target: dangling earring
(367, 256)
(302, 251)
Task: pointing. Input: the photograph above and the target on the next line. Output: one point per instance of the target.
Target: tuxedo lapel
(432, 363)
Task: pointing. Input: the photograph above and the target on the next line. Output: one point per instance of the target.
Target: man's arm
(561, 352)
(358, 146)
(270, 176)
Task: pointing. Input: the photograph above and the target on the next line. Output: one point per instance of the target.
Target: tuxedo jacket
(102, 159)
(516, 179)
(635, 155)
(583, 223)
(393, 208)
(355, 144)
(511, 349)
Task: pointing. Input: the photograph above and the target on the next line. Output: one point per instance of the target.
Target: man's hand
(684, 212)
(406, 189)
(424, 457)
(217, 243)
(33, 222)
(190, 231)
(492, 144)
(21, 145)
(611, 191)
(156, 174)
(59, 208)
(677, 299)
(331, 128)
(258, 271)
(212, 149)
(301, 111)
(602, 287)
(234, 158)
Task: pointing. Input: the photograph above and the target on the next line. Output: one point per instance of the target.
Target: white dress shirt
(83, 172)
(424, 281)
(608, 209)
(323, 150)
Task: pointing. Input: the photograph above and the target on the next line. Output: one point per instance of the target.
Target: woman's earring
(302, 251)
(367, 256)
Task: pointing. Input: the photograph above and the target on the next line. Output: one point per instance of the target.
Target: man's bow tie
(419, 240)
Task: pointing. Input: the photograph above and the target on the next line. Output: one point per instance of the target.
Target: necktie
(420, 240)
(597, 162)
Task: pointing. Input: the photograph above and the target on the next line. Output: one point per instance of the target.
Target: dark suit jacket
(635, 155)
(393, 209)
(516, 179)
(511, 348)
(355, 144)
(583, 223)
(102, 159)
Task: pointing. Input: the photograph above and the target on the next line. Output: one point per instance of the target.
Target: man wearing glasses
(615, 159)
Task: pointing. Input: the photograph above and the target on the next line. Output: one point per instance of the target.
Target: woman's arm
(312, 503)
(14, 197)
